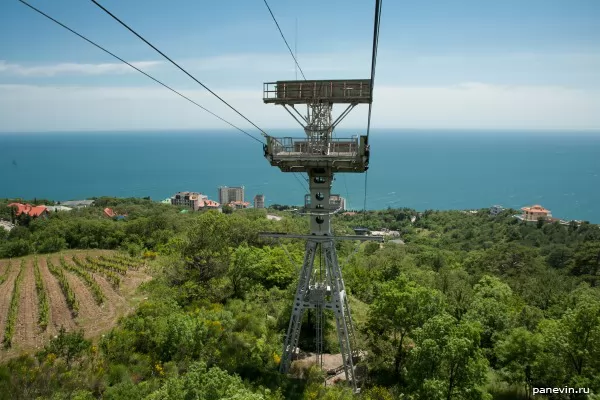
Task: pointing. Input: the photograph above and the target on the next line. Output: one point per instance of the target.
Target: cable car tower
(320, 156)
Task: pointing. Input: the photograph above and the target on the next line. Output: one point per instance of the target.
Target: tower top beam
(348, 91)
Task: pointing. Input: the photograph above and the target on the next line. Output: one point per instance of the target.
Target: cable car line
(376, 25)
(137, 69)
(175, 64)
(283, 37)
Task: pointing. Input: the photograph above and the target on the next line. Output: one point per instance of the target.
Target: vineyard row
(68, 292)
(43, 305)
(13, 311)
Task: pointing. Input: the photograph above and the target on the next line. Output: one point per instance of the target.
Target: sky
(460, 64)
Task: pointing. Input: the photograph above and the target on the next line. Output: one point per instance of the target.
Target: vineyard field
(87, 290)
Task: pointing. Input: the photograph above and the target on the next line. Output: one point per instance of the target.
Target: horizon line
(230, 130)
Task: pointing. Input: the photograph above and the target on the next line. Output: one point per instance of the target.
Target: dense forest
(471, 306)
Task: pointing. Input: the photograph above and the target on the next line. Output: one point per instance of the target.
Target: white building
(58, 208)
(385, 232)
(78, 203)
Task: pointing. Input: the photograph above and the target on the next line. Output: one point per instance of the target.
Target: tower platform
(349, 91)
(302, 154)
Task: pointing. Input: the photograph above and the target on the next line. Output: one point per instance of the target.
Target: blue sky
(512, 64)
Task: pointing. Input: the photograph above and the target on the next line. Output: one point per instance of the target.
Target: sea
(419, 169)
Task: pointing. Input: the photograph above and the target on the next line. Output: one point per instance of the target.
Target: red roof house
(32, 211)
(239, 204)
(535, 213)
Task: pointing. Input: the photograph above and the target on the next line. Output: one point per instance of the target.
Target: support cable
(301, 183)
(352, 254)
(376, 25)
(294, 264)
(283, 37)
(365, 201)
(177, 65)
(139, 70)
(298, 67)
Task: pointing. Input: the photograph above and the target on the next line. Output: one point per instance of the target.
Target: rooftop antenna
(320, 156)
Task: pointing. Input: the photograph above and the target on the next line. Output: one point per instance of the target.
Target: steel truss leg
(293, 332)
(329, 293)
(341, 311)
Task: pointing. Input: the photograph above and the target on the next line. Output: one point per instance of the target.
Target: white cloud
(231, 63)
(274, 63)
(467, 105)
(74, 68)
(480, 105)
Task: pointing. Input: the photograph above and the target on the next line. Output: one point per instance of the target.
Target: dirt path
(60, 315)
(27, 332)
(6, 290)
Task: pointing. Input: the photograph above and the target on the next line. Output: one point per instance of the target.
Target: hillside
(471, 306)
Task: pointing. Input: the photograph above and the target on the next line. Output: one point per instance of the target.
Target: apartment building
(259, 201)
(229, 194)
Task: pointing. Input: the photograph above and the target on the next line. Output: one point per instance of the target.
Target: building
(337, 202)
(385, 232)
(238, 204)
(535, 213)
(495, 210)
(362, 231)
(6, 225)
(259, 201)
(230, 194)
(211, 205)
(58, 208)
(193, 200)
(78, 203)
(32, 211)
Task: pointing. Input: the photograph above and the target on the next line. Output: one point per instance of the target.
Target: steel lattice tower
(320, 156)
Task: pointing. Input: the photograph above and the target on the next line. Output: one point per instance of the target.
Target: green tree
(559, 256)
(207, 384)
(67, 345)
(491, 308)
(401, 307)
(446, 362)
(454, 283)
(518, 354)
(572, 346)
(242, 271)
(587, 262)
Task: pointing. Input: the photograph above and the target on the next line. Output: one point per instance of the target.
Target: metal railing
(350, 91)
(304, 146)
